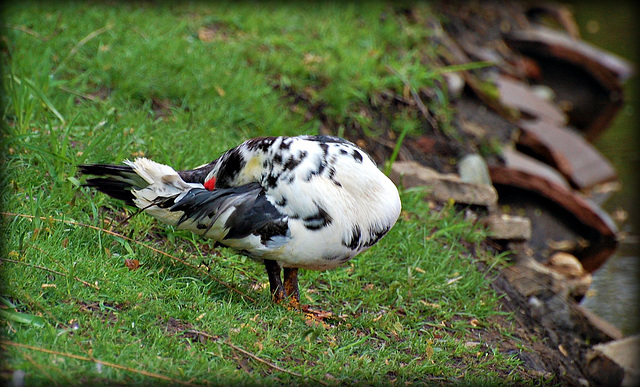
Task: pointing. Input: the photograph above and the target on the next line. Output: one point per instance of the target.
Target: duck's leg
(291, 286)
(290, 289)
(290, 280)
(275, 283)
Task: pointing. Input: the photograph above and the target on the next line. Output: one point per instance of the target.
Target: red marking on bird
(210, 184)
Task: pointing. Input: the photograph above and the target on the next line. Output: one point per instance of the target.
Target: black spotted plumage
(317, 220)
(309, 202)
(233, 164)
(353, 240)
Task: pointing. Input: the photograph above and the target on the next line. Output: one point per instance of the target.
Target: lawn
(90, 296)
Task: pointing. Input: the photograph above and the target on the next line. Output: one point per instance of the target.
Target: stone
(603, 371)
(455, 84)
(565, 264)
(530, 166)
(625, 352)
(530, 278)
(616, 362)
(568, 266)
(507, 227)
(443, 187)
(473, 169)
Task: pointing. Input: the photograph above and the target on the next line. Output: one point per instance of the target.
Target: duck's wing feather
(229, 213)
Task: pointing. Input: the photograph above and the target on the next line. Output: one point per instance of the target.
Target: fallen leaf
(314, 323)
(430, 304)
(310, 58)
(428, 352)
(329, 376)
(425, 144)
(132, 264)
(563, 351)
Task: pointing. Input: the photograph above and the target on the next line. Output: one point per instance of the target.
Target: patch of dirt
(216, 31)
(163, 107)
(100, 93)
(104, 311)
(174, 327)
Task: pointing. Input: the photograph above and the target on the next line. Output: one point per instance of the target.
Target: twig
(49, 270)
(256, 358)
(39, 367)
(23, 295)
(134, 241)
(423, 109)
(251, 355)
(32, 265)
(91, 359)
(26, 30)
(81, 95)
(32, 32)
(63, 268)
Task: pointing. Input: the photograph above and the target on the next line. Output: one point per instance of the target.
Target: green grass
(180, 84)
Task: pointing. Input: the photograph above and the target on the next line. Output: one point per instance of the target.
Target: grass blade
(44, 99)
(23, 318)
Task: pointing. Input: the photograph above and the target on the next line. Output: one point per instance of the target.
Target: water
(615, 291)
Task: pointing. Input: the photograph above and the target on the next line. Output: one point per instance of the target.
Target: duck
(308, 202)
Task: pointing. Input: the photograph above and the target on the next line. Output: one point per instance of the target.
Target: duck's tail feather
(117, 181)
(139, 183)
